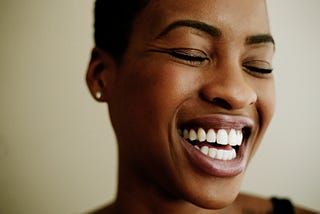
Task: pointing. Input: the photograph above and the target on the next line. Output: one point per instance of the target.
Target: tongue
(214, 145)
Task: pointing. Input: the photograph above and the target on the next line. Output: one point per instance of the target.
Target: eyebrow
(258, 39)
(214, 31)
(211, 30)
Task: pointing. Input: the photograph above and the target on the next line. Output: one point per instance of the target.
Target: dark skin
(206, 63)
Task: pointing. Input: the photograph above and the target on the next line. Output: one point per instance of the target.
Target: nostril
(222, 103)
(230, 93)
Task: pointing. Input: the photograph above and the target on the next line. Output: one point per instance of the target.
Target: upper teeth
(234, 138)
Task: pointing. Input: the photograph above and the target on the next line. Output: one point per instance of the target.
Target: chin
(215, 193)
(216, 203)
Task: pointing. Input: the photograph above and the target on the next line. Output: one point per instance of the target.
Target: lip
(218, 121)
(214, 167)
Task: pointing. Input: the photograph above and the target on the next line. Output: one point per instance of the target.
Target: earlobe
(100, 74)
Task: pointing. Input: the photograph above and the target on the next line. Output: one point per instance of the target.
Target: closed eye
(258, 70)
(257, 67)
(189, 56)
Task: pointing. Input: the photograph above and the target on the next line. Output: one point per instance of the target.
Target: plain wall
(57, 148)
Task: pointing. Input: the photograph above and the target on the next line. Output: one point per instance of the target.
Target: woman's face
(193, 97)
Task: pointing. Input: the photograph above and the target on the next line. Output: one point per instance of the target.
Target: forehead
(234, 17)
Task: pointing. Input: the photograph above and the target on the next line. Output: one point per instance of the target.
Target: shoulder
(302, 210)
(256, 204)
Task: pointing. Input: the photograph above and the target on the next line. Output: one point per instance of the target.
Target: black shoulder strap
(282, 206)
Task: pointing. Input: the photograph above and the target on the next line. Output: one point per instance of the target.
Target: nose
(229, 88)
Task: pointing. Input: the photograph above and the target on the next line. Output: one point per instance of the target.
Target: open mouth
(219, 144)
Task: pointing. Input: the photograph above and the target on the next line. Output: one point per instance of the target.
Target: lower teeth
(219, 154)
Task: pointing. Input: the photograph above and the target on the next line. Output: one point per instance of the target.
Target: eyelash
(187, 57)
(258, 70)
(257, 67)
(192, 56)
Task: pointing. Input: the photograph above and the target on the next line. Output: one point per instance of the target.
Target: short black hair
(113, 22)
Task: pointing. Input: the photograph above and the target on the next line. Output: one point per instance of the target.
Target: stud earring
(98, 95)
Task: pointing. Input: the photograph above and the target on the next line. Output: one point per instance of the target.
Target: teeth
(193, 135)
(212, 152)
(185, 134)
(211, 136)
(218, 154)
(239, 137)
(234, 138)
(204, 150)
(233, 141)
(202, 136)
(222, 137)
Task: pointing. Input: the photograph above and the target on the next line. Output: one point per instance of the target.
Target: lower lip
(214, 167)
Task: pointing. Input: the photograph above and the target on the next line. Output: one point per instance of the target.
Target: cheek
(266, 101)
(147, 97)
(265, 108)
(143, 112)
(265, 104)
(160, 88)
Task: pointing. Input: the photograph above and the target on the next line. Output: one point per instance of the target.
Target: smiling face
(193, 97)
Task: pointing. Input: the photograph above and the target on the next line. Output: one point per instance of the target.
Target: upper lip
(218, 121)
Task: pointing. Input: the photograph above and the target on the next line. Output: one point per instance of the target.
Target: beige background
(57, 149)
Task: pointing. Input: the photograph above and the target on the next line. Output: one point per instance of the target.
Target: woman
(190, 91)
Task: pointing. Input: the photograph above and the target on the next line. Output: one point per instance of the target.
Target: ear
(100, 74)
